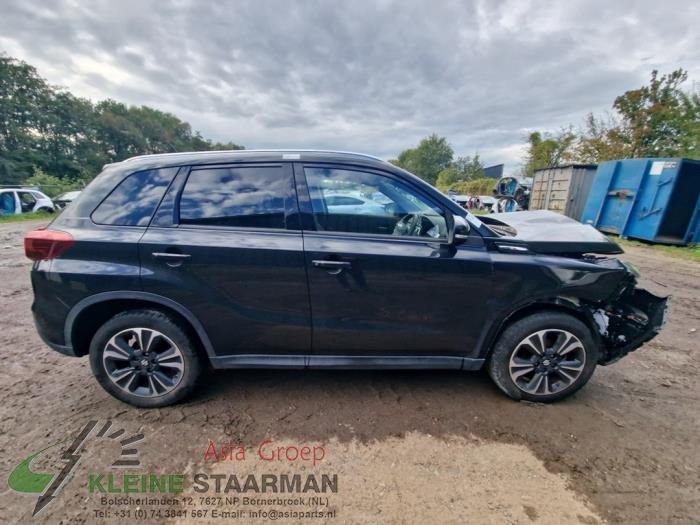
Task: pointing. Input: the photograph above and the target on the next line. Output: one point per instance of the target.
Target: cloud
(365, 76)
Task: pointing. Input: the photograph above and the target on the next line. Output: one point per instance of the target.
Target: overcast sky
(373, 77)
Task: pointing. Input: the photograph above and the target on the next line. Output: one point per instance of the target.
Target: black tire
(46, 210)
(170, 334)
(553, 385)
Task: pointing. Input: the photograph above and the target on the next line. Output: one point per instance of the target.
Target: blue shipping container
(655, 200)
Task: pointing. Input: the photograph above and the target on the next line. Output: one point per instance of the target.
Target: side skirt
(346, 362)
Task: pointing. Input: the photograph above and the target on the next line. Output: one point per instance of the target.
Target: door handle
(172, 259)
(168, 255)
(333, 267)
(331, 264)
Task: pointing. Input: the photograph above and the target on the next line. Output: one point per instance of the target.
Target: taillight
(45, 244)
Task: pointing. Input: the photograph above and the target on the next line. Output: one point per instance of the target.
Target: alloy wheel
(143, 362)
(547, 362)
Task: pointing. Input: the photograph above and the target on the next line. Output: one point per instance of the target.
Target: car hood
(549, 232)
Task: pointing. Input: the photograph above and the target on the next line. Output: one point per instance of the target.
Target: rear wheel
(144, 358)
(544, 357)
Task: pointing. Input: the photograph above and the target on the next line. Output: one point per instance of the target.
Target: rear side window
(244, 197)
(134, 200)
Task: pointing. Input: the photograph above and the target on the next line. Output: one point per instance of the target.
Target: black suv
(311, 259)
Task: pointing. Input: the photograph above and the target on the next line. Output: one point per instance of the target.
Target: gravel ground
(406, 446)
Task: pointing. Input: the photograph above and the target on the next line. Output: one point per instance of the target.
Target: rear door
(226, 244)
(384, 283)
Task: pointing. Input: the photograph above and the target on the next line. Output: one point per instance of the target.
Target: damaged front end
(576, 258)
(633, 317)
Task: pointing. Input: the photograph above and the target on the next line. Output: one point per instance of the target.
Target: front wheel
(142, 357)
(544, 357)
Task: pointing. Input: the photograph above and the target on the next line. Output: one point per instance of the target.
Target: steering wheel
(410, 225)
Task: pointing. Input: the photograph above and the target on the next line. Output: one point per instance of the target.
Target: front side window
(134, 200)
(345, 200)
(242, 197)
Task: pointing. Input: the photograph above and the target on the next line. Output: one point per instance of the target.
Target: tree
(23, 95)
(67, 136)
(447, 177)
(602, 139)
(432, 155)
(656, 120)
(47, 128)
(657, 117)
(470, 168)
(462, 169)
(545, 151)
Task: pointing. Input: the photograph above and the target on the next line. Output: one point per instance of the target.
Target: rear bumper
(634, 319)
(60, 348)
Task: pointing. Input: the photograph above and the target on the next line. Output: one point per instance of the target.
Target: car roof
(259, 155)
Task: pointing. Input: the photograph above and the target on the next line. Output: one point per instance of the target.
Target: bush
(53, 186)
(483, 186)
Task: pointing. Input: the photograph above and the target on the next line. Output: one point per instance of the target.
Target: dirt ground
(444, 447)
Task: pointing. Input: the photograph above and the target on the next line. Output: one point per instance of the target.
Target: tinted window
(134, 200)
(361, 202)
(248, 197)
(337, 200)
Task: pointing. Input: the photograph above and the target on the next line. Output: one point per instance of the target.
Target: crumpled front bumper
(636, 317)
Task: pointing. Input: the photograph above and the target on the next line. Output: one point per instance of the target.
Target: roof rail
(243, 151)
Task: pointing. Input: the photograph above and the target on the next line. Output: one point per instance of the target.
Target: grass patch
(26, 217)
(691, 252)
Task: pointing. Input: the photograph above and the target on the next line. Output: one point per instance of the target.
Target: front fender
(565, 304)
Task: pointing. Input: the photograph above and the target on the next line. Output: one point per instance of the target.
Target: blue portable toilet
(651, 199)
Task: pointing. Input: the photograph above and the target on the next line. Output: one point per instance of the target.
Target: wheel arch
(571, 306)
(85, 318)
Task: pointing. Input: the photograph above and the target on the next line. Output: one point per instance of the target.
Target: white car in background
(14, 201)
(487, 202)
(352, 203)
(64, 199)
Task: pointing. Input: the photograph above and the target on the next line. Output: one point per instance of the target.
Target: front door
(382, 281)
(225, 245)
(27, 201)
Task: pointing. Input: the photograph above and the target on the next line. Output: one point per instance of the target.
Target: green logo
(47, 484)
(23, 479)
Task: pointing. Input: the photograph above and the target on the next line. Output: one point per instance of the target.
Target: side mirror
(459, 232)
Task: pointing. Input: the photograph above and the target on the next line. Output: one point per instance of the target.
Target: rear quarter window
(134, 200)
